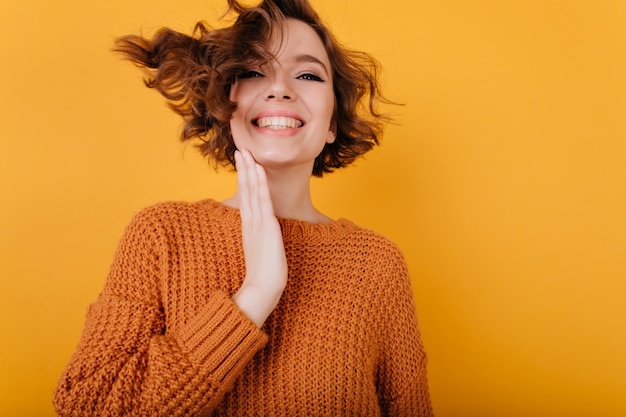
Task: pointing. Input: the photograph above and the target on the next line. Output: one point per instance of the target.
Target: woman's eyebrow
(310, 58)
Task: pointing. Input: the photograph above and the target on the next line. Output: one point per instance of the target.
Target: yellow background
(504, 184)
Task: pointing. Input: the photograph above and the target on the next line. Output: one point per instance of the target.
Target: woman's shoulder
(167, 212)
(373, 241)
(168, 220)
(370, 235)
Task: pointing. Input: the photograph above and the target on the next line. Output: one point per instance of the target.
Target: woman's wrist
(256, 303)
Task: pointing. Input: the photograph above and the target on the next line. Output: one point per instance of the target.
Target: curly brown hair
(195, 74)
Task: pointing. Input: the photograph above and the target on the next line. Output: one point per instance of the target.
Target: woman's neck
(291, 197)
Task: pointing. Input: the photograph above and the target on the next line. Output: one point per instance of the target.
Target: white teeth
(278, 122)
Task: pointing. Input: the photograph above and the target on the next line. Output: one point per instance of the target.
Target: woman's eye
(310, 77)
(250, 74)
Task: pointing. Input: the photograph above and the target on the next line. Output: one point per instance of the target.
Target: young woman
(259, 305)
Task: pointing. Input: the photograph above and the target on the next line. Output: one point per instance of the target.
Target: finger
(242, 185)
(263, 192)
(252, 183)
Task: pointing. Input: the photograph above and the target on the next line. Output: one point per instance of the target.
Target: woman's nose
(279, 97)
(280, 89)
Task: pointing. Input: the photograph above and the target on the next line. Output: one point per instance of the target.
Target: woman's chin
(277, 164)
(271, 157)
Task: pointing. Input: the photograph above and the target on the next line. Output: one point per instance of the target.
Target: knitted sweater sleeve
(127, 364)
(402, 377)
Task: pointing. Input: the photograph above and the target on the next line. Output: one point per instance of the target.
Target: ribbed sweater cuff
(221, 337)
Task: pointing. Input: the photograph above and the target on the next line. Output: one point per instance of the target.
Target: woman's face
(285, 107)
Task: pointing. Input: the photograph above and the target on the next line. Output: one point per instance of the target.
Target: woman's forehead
(298, 41)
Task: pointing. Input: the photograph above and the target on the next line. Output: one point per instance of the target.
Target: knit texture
(164, 338)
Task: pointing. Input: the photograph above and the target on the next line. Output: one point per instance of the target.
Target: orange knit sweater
(165, 339)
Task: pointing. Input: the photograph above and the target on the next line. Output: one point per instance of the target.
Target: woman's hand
(266, 265)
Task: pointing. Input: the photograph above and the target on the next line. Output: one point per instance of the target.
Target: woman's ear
(332, 132)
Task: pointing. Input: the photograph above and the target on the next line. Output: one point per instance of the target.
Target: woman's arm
(402, 381)
(127, 364)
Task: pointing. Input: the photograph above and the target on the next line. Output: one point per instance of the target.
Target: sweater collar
(293, 230)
